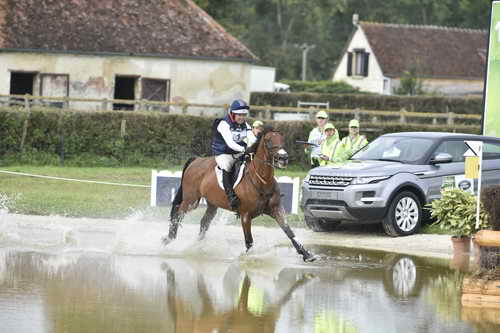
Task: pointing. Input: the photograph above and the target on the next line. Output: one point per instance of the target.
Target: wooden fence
(264, 112)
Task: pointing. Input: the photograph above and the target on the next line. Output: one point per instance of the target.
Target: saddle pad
(218, 173)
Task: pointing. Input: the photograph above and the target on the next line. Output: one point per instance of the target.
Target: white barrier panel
(164, 185)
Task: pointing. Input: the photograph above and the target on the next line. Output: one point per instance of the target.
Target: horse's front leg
(278, 213)
(246, 224)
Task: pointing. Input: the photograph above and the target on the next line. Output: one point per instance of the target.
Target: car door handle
(424, 173)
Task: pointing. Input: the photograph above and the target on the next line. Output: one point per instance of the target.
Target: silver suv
(391, 180)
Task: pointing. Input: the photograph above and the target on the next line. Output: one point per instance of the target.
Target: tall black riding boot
(227, 181)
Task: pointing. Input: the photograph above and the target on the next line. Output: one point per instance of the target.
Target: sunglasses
(320, 118)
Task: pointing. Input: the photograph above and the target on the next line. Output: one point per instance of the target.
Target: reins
(254, 158)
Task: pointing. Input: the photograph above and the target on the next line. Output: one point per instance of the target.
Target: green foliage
(152, 139)
(272, 28)
(435, 104)
(455, 212)
(326, 87)
(410, 84)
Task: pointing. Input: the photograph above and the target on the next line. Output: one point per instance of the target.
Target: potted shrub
(455, 213)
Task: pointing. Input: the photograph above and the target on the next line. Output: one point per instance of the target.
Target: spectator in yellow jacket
(354, 141)
(331, 148)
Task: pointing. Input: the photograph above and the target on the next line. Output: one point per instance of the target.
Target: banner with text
(164, 185)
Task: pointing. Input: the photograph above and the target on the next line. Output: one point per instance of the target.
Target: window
(21, 83)
(156, 90)
(456, 149)
(387, 87)
(491, 151)
(357, 63)
(124, 89)
(402, 149)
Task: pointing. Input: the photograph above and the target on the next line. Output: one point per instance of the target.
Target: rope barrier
(71, 179)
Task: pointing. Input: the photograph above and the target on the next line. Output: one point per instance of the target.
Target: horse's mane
(267, 129)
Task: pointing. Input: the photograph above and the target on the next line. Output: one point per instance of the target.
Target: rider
(228, 144)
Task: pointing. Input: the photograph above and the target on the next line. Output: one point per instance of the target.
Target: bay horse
(258, 191)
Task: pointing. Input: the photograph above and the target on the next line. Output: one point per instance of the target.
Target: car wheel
(404, 216)
(402, 278)
(320, 225)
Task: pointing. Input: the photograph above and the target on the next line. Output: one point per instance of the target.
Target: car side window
(455, 148)
(491, 151)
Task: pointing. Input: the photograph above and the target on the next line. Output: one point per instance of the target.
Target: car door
(434, 178)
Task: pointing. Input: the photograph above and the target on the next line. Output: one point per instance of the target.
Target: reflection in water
(348, 291)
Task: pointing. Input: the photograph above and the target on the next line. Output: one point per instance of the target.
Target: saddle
(236, 174)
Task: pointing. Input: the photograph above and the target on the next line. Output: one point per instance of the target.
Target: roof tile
(162, 27)
(434, 51)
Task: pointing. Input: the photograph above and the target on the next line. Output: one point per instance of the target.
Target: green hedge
(459, 105)
(150, 137)
(325, 87)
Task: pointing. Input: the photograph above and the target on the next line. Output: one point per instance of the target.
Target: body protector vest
(238, 132)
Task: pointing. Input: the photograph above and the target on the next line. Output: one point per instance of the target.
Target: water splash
(7, 203)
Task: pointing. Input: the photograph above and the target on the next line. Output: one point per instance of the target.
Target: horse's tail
(178, 196)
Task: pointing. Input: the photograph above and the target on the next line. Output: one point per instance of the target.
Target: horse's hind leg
(184, 207)
(206, 220)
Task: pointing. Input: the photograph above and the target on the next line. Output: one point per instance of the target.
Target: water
(64, 275)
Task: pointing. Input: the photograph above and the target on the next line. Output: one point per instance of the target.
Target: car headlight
(306, 179)
(368, 180)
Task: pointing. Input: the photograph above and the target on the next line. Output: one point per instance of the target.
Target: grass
(29, 195)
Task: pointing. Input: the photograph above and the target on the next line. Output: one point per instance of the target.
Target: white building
(159, 50)
(448, 61)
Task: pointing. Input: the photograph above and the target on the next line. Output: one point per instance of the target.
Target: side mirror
(442, 158)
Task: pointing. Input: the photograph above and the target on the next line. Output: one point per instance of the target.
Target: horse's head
(273, 143)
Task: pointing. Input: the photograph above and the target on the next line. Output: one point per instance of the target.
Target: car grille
(329, 180)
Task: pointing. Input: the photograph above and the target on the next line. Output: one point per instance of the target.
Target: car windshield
(395, 148)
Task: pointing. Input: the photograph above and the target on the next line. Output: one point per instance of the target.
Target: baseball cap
(354, 123)
(329, 126)
(322, 114)
(257, 123)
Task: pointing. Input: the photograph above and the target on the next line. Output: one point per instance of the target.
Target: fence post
(402, 116)
(312, 114)
(66, 102)
(27, 102)
(357, 115)
(104, 104)
(451, 118)
(61, 151)
(268, 114)
(25, 132)
(123, 128)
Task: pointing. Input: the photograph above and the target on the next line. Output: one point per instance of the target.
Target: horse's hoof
(310, 257)
(166, 240)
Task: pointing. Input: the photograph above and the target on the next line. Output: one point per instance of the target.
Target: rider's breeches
(226, 161)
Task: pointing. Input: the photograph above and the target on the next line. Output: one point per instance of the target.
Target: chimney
(355, 19)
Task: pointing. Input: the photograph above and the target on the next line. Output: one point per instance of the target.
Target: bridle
(273, 152)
